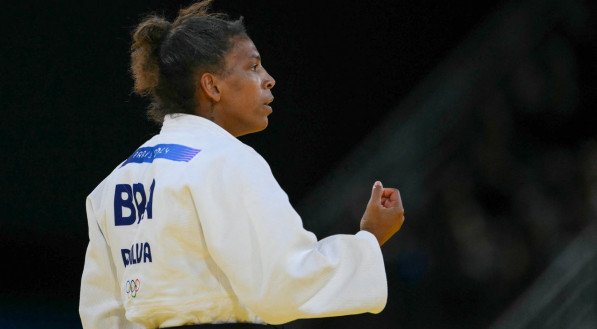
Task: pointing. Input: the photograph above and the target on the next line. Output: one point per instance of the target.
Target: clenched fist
(384, 214)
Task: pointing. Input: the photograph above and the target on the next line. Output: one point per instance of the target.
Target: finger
(390, 193)
(376, 193)
(399, 201)
(393, 198)
(398, 197)
(386, 203)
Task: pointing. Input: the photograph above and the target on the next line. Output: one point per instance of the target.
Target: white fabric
(225, 244)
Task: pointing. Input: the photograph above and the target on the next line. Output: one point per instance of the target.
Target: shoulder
(99, 192)
(243, 159)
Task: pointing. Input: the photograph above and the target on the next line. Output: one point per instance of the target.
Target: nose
(269, 81)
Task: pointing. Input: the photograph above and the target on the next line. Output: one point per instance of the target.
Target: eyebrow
(256, 56)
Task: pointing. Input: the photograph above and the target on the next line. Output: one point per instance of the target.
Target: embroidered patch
(173, 152)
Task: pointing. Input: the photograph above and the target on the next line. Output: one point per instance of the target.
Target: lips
(267, 102)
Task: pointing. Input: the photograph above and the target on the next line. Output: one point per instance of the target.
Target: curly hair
(167, 57)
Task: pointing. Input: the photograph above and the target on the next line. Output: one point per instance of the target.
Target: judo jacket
(193, 228)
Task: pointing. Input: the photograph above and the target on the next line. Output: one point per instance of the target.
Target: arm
(100, 305)
(276, 267)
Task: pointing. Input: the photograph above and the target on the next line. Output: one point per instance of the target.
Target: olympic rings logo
(132, 287)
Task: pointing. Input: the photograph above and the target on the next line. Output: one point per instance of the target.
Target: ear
(208, 82)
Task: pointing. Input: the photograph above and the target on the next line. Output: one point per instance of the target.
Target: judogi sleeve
(100, 304)
(276, 267)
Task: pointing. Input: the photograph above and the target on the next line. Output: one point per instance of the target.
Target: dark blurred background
(480, 112)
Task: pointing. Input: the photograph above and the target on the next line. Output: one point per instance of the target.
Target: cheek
(249, 94)
(245, 91)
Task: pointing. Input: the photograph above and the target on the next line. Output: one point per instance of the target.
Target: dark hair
(166, 58)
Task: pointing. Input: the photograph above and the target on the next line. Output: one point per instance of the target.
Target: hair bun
(147, 39)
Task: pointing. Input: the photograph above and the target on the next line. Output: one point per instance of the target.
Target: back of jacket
(193, 228)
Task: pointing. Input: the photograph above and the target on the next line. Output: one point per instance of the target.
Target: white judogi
(193, 228)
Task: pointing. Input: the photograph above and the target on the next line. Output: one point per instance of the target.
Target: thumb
(376, 193)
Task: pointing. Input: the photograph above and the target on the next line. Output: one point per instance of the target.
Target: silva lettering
(139, 253)
(131, 203)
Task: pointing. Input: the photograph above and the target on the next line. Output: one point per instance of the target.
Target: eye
(254, 67)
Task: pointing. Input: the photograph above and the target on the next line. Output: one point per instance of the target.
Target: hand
(384, 214)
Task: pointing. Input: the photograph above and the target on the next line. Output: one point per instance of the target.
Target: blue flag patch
(174, 152)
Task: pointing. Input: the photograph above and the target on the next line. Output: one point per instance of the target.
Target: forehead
(243, 49)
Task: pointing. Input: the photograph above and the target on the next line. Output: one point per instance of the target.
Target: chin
(256, 129)
(262, 128)
(261, 125)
